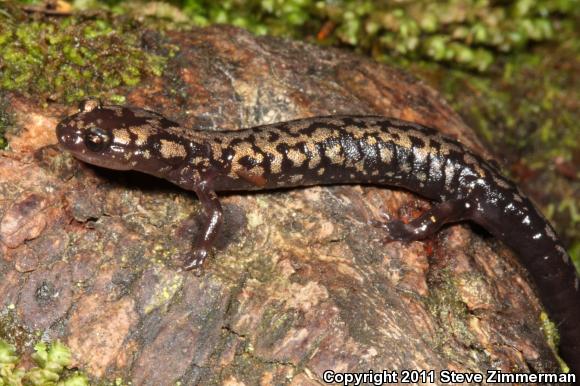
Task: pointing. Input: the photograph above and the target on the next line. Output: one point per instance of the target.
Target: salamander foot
(428, 223)
(195, 261)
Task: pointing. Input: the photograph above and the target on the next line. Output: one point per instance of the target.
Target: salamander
(336, 150)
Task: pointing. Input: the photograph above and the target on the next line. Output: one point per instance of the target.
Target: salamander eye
(96, 139)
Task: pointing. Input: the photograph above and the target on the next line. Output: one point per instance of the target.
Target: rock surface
(300, 282)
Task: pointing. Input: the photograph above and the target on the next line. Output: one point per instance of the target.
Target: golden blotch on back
(170, 149)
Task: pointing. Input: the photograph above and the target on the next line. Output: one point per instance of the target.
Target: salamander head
(121, 138)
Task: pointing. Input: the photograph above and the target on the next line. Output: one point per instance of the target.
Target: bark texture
(301, 283)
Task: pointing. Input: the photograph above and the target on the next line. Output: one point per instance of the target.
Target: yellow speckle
(170, 149)
(275, 162)
(241, 150)
(142, 135)
(121, 136)
(297, 157)
(313, 155)
(386, 155)
(333, 152)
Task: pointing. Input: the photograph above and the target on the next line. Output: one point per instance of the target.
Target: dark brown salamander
(334, 150)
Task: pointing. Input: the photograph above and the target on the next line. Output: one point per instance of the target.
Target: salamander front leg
(429, 222)
(207, 235)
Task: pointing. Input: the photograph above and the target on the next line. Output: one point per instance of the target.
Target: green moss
(445, 304)
(468, 33)
(553, 338)
(9, 374)
(51, 363)
(7, 353)
(72, 58)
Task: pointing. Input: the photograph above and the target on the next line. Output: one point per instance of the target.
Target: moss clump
(72, 58)
(445, 304)
(465, 33)
(273, 17)
(553, 338)
(51, 361)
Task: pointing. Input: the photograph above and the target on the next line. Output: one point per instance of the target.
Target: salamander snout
(70, 131)
(121, 138)
(68, 137)
(92, 144)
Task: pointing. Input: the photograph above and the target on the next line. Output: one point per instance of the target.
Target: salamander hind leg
(428, 223)
(203, 244)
